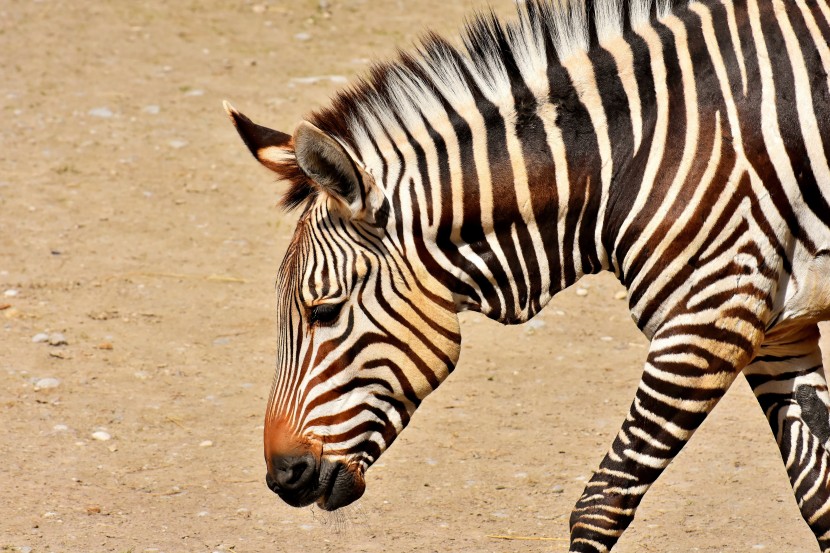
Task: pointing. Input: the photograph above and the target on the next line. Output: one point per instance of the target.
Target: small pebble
(40, 337)
(101, 112)
(206, 443)
(50, 514)
(93, 509)
(259, 8)
(302, 36)
(195, 92)
(10, 293)
(47, 383)
(152, 109)
(12, 313)
(621, 295)
(60, 428)
(557, 489)
(221, 341)
(536, 323)
(177, 144)
(57, 339)
(606, 338)
(104, 345)
(101, 436)
(335, 79)
(581, 292)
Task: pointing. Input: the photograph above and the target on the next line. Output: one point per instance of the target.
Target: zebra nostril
(292, 473)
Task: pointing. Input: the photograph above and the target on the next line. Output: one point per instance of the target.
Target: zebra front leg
(788, 380)
(689, 368)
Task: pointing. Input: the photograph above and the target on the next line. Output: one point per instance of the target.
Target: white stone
(60, 428)
(152, 109)
(621, 295)
(101, 112)
(10, 293)
(177, 144)
(334, 79)
(57, 339)
(581, 292)
(47, 383)
(40, 337)
(302, 36)
(101, 436)
(206, 443)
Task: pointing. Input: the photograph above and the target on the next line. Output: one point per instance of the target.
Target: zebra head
(365, 332)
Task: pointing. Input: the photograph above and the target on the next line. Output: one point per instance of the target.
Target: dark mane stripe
(490, 53)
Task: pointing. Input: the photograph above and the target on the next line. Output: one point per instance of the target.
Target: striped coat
(685, 148)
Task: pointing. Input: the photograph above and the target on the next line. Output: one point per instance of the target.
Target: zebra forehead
(313, 240)
(546, 31)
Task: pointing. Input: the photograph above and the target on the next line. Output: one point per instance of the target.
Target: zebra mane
(400, 93)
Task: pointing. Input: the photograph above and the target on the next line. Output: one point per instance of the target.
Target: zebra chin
(329, 484)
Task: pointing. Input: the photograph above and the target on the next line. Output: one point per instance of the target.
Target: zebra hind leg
(691, 364)
(789, 383)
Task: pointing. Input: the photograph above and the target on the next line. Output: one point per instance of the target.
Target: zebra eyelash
(324, 314)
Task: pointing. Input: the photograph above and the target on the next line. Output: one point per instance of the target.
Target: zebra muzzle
(301, 480)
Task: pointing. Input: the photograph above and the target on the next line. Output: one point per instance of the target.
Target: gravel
(101, 112)
(57, 339)
(47, 383)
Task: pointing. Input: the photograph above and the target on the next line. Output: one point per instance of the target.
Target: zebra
(682, 147)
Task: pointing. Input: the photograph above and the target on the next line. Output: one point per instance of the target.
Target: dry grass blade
(527, 538)
(209, 278)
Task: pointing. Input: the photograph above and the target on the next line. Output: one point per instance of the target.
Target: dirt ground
(134, 222)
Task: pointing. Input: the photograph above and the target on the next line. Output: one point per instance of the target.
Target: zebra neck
(510, 198)
(536, 216)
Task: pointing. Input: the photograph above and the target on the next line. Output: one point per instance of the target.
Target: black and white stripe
(685, 148)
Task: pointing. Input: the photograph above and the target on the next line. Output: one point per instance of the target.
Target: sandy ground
(134, 222)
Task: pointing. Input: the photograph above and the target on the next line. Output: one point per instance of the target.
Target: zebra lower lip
(342, 487)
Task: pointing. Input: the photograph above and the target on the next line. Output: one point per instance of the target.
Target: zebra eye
(324, 314)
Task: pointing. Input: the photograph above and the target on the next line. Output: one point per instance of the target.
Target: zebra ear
(327, 163)
(333, 169)
(270, 147)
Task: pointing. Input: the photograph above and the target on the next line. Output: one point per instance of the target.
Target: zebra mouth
(340, 487)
